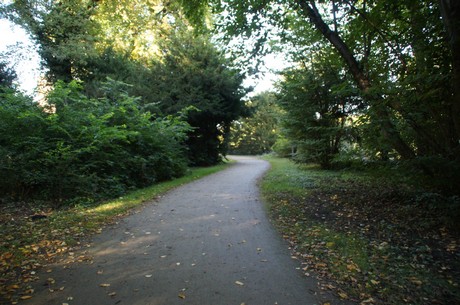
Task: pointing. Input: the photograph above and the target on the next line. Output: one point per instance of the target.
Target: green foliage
(121, 67)
(318, 102)
(149, 46)
(401, 56)
(64, 32)
(7, 75)
(283, 147)
(258, 133)
(82, 147)
(193, 73)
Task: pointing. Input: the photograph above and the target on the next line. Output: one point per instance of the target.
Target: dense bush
(77, 147)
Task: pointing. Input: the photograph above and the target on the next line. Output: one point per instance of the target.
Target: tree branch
(311, 11)
(395, 48)
(387, 128)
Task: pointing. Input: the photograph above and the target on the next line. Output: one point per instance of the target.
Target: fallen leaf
(416, 281)
(26, 297)
(104, 285)
(181, 295)
(352, 267)
(374, 282)
(239, 283)
(343, 295)
(112, 294)
(148, 275)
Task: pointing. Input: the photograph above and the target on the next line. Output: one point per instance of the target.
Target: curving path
(206, 243)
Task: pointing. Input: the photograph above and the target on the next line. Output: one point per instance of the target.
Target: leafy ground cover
(34, 234)
(371, 237)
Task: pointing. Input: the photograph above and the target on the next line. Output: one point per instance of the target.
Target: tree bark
(309, 9)
(450, 12)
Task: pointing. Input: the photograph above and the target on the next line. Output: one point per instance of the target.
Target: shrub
(82, 147)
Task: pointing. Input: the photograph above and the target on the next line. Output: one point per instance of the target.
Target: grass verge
(29, 243)
(373, 239)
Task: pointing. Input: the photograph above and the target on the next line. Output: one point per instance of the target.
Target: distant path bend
(205, 243)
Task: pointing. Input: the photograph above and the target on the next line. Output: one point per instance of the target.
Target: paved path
(206, 243)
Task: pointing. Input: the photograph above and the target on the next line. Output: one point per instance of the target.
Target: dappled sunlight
(111, 206)
(131, 243)
(195, 246)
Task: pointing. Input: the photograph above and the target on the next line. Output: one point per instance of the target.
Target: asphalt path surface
(205, 243)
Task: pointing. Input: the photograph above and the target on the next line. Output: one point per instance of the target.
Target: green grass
(135, 198)
(364, 231)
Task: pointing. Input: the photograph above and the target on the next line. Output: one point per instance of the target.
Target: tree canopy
(192, 72)
(400, 58)
(257, 133)
(136, 94)
(380, 77)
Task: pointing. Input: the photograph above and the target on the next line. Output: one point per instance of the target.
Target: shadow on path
(208, 242)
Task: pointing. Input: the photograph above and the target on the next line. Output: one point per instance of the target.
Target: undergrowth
(375, 239)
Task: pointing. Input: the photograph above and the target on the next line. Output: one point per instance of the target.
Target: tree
(63, 30)
(74, 34)
(450, 12)
(7, 75)
(78, 147)
(319, 101)
(192, 73)
(378, 42)
(257, 133)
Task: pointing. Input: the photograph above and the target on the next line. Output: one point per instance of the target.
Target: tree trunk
(309, 9)
(450, 12)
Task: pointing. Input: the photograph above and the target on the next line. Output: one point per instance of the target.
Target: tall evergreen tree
(193, 73)
(7, 75)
